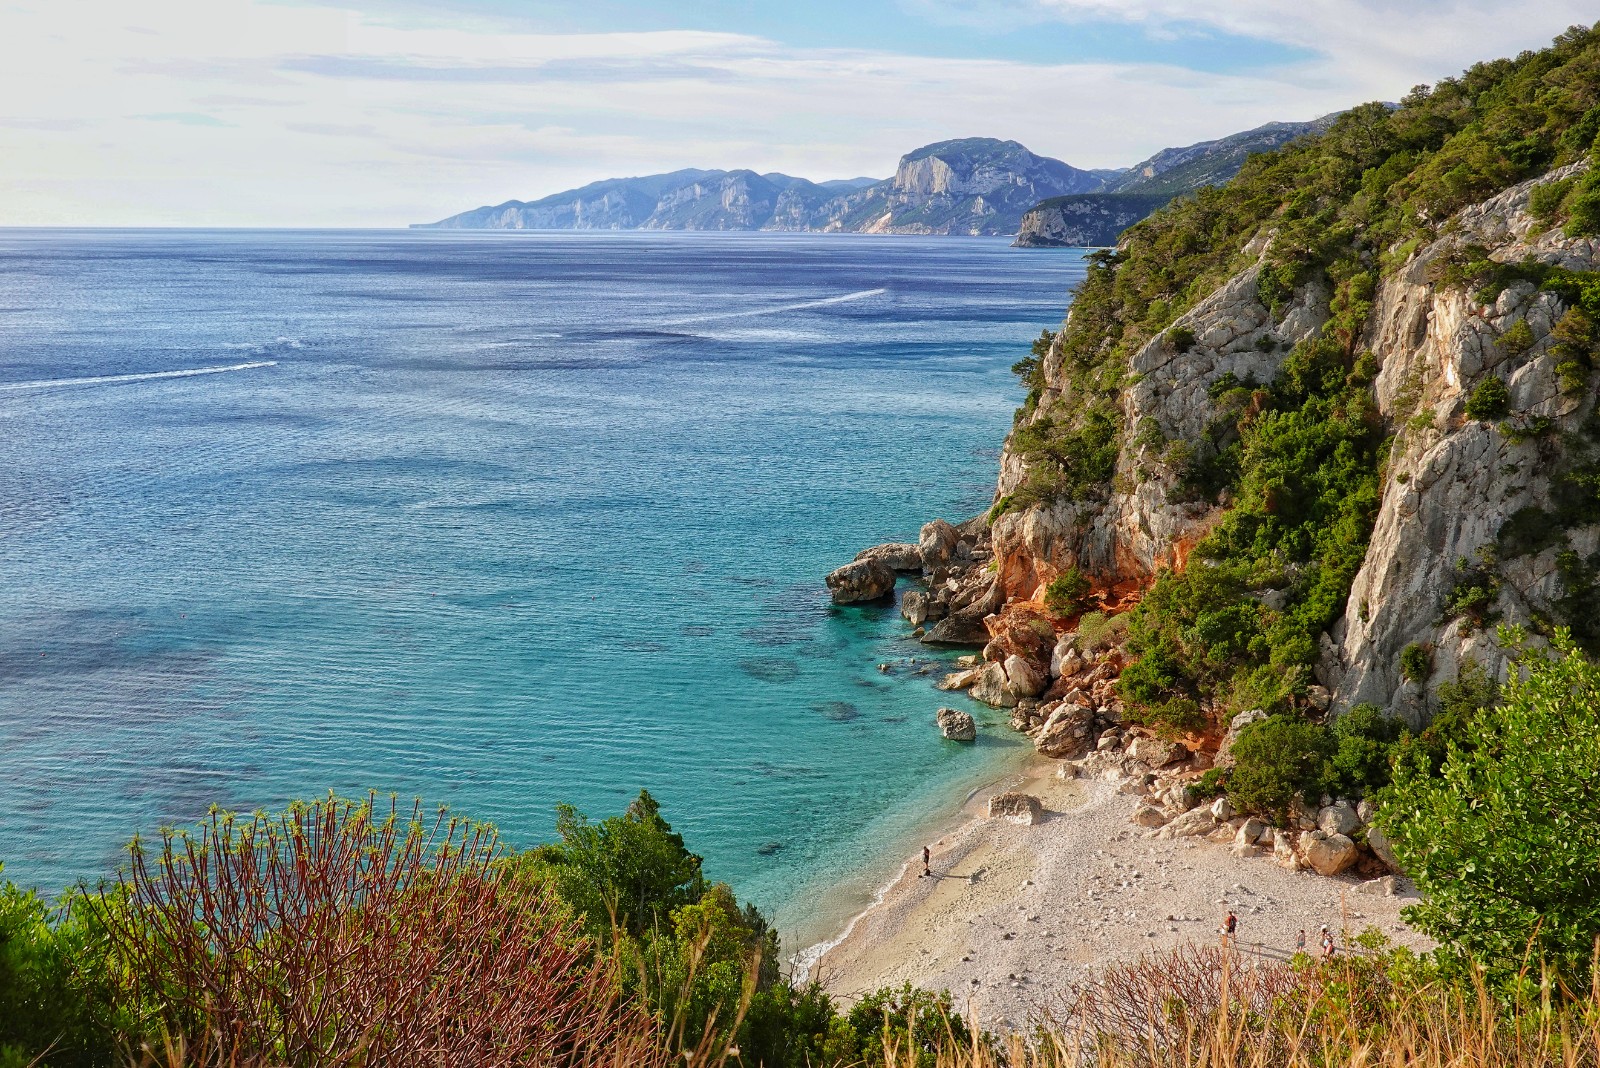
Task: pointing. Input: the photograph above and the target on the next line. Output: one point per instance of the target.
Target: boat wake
(780, 308)
(108, 380)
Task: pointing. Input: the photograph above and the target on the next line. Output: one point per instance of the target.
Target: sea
(495, 520)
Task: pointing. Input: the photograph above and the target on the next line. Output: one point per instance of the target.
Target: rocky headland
(1462, 359)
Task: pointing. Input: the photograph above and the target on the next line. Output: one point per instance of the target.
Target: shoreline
(1017, 915)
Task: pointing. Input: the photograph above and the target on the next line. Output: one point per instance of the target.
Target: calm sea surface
(499, 520)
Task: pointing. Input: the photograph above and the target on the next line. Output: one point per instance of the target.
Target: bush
(340, 931)
(1502, 844)
(1277, 760)
(1490, 400)
(1181, 338)
(56, 990)
(1365, 742)
(1067, 594)
(918, 1025)
(1517, 339)
(1415, 663)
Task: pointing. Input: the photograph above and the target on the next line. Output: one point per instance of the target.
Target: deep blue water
(500, 520)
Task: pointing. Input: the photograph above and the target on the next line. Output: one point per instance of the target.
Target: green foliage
(56, 988)
(1277, 760)
(630, 870)
(1474, 594)
(1490, 400)
(1502, 842)
(1181, 338)
(914, 1022)
(1069, 458)
(1030, 369)
(1518, 338)
(1416, 662)
(1364, 742)
(1067, 593)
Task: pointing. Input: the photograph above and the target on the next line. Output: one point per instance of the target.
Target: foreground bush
(345, 932)
(1504, 840)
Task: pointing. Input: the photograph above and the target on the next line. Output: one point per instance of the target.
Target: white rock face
(1067, 733)
(1191, 824)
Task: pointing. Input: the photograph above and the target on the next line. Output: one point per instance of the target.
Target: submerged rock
(861, 580)
(956, 725)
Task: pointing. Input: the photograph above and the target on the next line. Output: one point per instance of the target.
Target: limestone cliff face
(1145, 525)
(1450, 485)
(1454, 482)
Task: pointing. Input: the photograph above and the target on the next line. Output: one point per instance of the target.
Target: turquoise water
(500, 520)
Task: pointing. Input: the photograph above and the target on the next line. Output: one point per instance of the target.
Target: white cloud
(238, 112)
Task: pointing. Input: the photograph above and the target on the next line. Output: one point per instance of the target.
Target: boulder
(1222, 809)
(914, 607)
(1156, 752)
(898, 556)
(957, 725)
(1149, 816)
(1328, 854)
(1016, 808)
(1365, 810)
(1385, 886)
(1026, 678)
(959, 680)
(1224, 758)
(1023, 632)
(994, 688)
(1065, 658)
(1068, 733)
(959, 628)
(1339, 818)
(1283, 852)
(1191, 824)
(1378, 842)
(937, 543)
(861, 580)
(1250, 831)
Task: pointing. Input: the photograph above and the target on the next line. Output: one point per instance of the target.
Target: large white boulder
(1328, 854)
(1338, 818)
(1015, 807)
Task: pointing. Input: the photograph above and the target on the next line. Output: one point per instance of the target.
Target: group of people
(1230, 936)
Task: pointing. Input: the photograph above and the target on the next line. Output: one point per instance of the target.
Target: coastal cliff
(1309, 465)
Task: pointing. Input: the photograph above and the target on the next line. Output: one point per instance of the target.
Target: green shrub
(918, 1024)
(1365, 742)
(1181, 338)
(1490, 400)
(1415, 663)
(1517, 339)
(1277, 760)
(1502, 844)
(1067, 593)
(1544, 203)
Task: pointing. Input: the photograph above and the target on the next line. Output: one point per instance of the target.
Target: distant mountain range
(1096, 218)
(973, 186)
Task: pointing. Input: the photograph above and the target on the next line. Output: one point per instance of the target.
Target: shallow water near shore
(498, 520)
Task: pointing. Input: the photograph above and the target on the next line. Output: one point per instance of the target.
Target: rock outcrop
(956, 725)
(861, 580)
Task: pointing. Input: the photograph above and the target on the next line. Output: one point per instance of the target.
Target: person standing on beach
(1230, 928)
(1300, 941)
(927, 856)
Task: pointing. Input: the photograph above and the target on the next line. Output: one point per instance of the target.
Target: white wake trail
(106, 380)
(776, 309)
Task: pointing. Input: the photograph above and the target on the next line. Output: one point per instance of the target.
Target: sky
(388, 112)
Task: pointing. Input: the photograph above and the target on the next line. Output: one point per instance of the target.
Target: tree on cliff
(1502, 841)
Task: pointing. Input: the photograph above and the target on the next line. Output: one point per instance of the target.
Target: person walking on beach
(927, 856)
(1327, 943)
(1300, 941)
(1230, 929)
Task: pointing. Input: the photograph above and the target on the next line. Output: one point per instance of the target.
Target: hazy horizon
(363, 113)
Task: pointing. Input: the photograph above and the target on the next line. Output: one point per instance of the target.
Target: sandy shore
(1014, 914)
